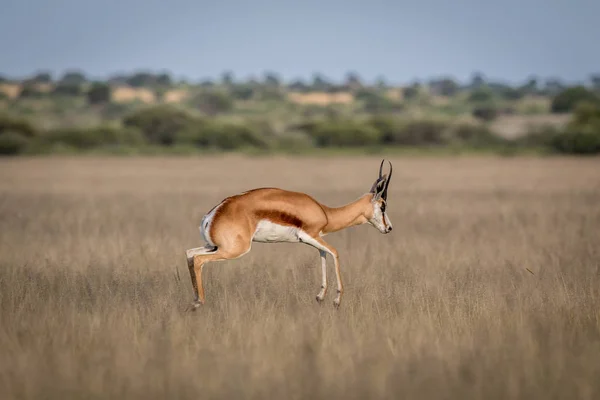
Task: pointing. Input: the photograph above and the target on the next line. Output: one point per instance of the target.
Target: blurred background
(193, 76)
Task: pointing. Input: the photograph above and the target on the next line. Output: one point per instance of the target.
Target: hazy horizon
(195, 40)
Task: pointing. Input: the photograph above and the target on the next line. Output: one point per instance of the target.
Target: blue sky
(399, 40)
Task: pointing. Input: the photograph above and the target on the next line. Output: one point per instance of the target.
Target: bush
(67, 89)
(421, 132)
(17, 125)
(88, 138)
(474, 135)
(242, 92)
(222, 135)
(344, 133)
(377, 102)
(160, 124)
(582, 134)
(481, 95)
(99, 93)
(213, 102)
(576, 142)
(12, 143)
(294, 142)
(539, 136)
(31, 91)
(568, 99)
(586, 116)
(485, 113)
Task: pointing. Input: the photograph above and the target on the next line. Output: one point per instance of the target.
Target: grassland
(488, 287)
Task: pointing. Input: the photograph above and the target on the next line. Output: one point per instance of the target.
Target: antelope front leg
(321, 295)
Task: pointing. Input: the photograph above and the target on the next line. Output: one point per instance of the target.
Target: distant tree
(352, 81)
(213, 102)
(376, 102)
(141, 79)
(299, 86)
(3, 79)
(595, 82)
(569, 98)
(42, 77)
(380, 83)
(272, 79)
(531, 87)
(99, 93)
(445, 87)
(553, 86)
(511, 93)
(164, 79)
(73, 76)
(30, 90)
(227, 78)
(319, 83)
(482, 94)
(411, 92)
(485, 113)
(207, 83)
(477, 80)
(242, 92)
(118, 79)
(160, 124)
(67, 89)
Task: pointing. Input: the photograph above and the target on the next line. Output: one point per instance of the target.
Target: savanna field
(487, 288)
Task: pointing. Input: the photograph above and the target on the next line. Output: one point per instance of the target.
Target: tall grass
(488, 287)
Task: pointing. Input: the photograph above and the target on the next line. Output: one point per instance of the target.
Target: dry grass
(93, 281)
(321, 98)
(125, 94)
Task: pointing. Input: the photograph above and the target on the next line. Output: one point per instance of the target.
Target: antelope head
(379, 190)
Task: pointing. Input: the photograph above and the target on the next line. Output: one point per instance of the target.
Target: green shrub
(222, 135)
(67, 89)
(582, 133)
(21, 126)
(12, 143)
(99, 93)
(31, 91)
(376, 102)
(242, 92)
(421, 132)
(160, 124)
(344, 133)
(475, 135)
(568, 99)
(481, 95)
(576, 142)
(213, 102)
(485, 113)
(586, 116)
(539, 136)
(294, 142)
(88, 138)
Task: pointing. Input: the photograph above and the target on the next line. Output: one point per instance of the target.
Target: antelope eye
(382, 207)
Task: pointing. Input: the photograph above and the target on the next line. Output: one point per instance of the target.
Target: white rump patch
(269, 232)
(205, 225)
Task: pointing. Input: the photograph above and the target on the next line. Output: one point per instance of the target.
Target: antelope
(272, 215)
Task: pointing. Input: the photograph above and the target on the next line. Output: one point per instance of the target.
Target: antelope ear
(378, 187)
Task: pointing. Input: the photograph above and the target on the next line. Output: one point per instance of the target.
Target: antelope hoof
(336, 303)
(194, 306)
(320, 299)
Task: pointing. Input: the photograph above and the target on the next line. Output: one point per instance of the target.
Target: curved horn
(381, 167)
(387, 183)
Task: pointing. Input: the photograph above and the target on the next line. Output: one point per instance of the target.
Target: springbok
(271, 215)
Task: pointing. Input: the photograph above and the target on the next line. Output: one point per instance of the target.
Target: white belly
(268, 232)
